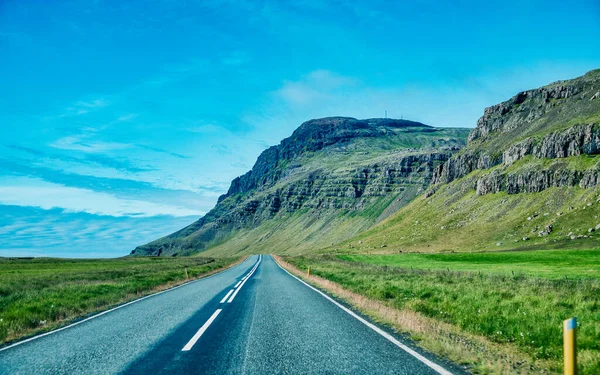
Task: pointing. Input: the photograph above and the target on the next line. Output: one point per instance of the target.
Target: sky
(123, 121)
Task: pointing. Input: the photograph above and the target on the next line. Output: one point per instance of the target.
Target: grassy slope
(522, 312)
(456, 219)
(38, 295)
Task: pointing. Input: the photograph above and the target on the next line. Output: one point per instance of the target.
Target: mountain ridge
(327, 164)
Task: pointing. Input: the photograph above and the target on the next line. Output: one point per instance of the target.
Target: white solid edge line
(201, 331)
(226, 296)
(434, 366)
(110, 310)
(243, 282)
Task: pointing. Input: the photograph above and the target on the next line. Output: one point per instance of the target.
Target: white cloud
(317, 86)
(127, 117)
(82, 107)
(38, 193)
(78, 143)
(36, 232)
(98, 103)
(459, 102)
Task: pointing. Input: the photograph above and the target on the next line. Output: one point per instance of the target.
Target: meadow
(555, 264)
(41, 294)
(479, 294)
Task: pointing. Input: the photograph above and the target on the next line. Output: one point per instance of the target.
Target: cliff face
(334, 175)
(561, 120)
(313, 136)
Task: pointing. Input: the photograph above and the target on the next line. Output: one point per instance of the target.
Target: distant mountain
(529, 177)
(332, 179)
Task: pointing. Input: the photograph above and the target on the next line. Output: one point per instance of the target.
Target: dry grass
(474, 353)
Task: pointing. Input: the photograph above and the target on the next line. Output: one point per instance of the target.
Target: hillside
(528, 178)
(331, 179)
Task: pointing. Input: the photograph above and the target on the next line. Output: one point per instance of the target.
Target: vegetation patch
(554, 264)
(456, 219)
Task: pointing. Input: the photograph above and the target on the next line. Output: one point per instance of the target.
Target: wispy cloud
(221, 149)
(80, 143)
(160, 150)
(83, 158)
(38, 193)
(200, 198)
(84, 107)
(316, 86)
(30, 231)
(127, 117)
(458, 102)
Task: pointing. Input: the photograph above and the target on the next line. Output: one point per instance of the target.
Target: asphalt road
(254, 318)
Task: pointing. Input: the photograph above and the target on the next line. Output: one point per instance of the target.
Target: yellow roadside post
(570, 337)
(308, 272)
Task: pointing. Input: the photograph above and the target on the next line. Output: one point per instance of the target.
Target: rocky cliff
(561, 120)
(331, 179)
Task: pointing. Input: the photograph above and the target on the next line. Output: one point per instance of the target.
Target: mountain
(331, 179)
(529, 177)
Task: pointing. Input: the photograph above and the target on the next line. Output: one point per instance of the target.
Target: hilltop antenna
(386, 113)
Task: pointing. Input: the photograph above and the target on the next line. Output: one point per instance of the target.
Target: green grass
(525, 312)
(554, 264)
(40, 294)
(573, 163)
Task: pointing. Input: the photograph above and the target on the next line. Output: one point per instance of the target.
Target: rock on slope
(333, 178)
(528, 178)
(553, 122)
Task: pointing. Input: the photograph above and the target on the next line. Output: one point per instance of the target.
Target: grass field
(572, 264)
(523, 311)
(40, 294)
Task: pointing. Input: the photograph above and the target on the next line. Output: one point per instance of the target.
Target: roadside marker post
(308, 272)
(570, 338)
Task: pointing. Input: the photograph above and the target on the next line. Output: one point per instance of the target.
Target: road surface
(254, 318)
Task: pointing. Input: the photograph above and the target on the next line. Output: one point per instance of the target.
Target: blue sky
(122, 121)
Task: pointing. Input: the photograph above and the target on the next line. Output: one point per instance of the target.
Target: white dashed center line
(231, 295)
(202, 329)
